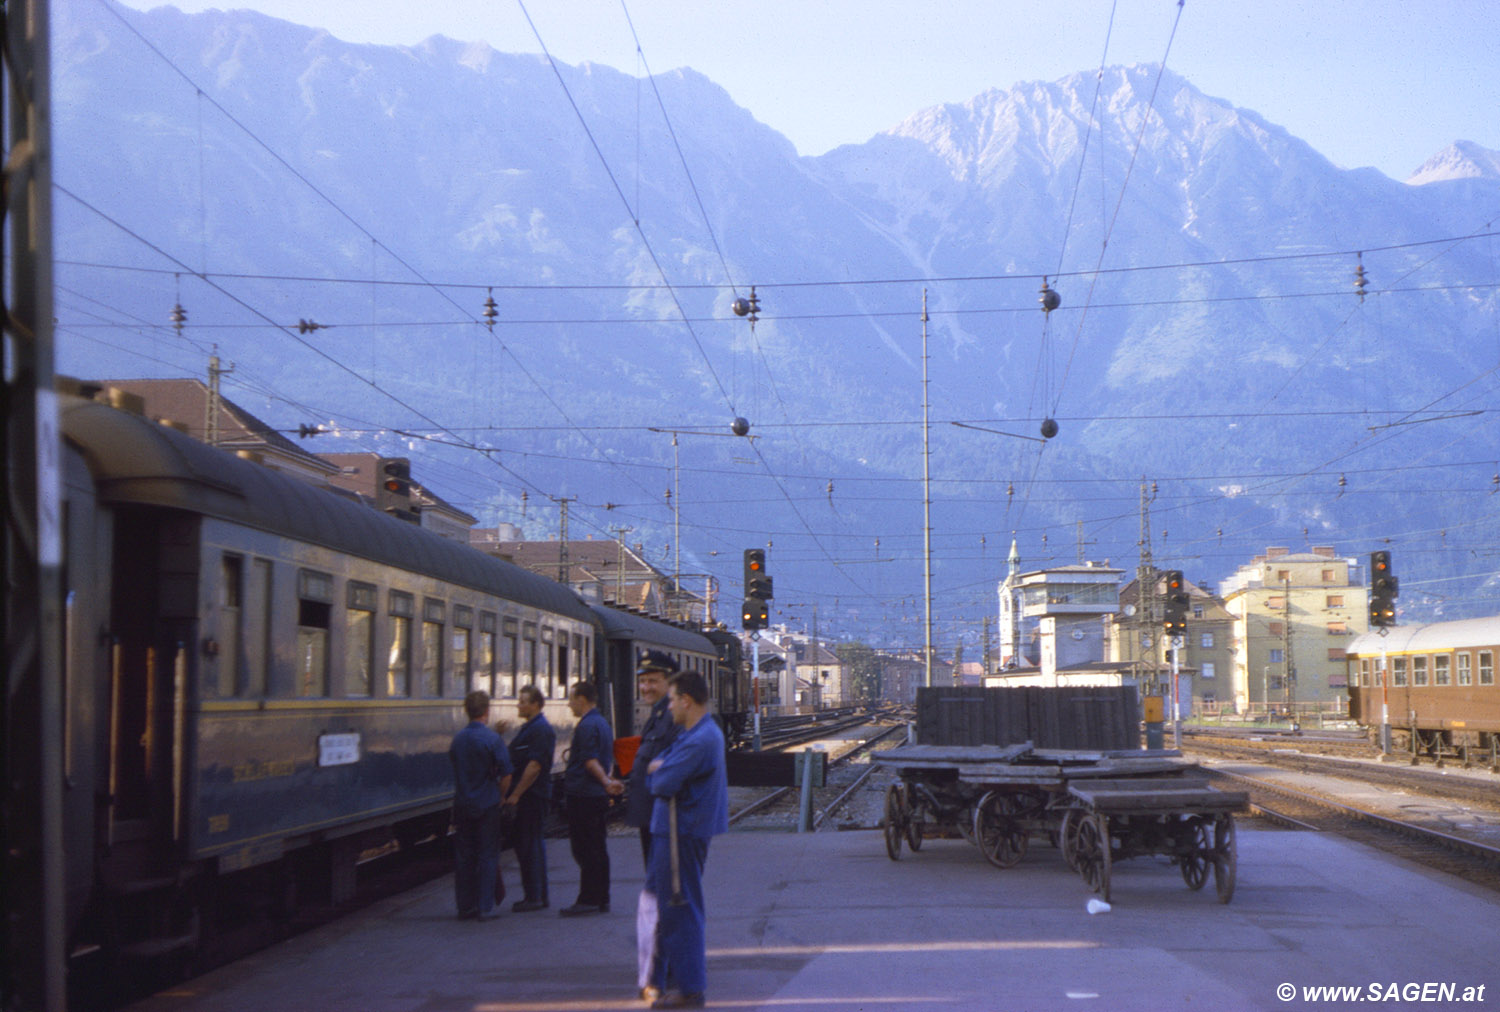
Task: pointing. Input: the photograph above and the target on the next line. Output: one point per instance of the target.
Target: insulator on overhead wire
(1360, 281)
(1049, 298)
(179, 316)
(490, 312)
(308, 326)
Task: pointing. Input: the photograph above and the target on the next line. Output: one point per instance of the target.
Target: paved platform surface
(826, 921)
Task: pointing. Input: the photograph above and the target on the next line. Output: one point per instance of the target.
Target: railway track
(777, 809)
(1465, 857)
(1417, 780)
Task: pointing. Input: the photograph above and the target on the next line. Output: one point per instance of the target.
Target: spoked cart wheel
(914, 821)
(894, 825)
(1001, 839)
(1093, 852)
(1067, 835)
(1224, 857)
(1195, 862)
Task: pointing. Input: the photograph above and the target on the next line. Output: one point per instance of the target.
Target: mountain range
(1212, 354)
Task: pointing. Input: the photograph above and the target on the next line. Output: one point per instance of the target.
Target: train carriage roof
(1428, 638)
(624, 625)
(134, 460)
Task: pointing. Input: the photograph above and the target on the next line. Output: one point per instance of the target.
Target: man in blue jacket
(481, 770)
(657, 732)
(532, 748)
(691, 789)
(589, 787)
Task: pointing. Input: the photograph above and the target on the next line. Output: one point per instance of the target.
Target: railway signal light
(1384, 589)
(393, 493)
(753, 615)
(757, 583)
(1174, 618)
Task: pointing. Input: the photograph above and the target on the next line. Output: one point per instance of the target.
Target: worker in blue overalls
(691, 789)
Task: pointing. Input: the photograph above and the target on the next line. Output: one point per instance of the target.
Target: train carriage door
(154, 606)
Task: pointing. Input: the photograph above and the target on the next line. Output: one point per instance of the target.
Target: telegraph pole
(562, 537)
(211, 422)
(1145, 582)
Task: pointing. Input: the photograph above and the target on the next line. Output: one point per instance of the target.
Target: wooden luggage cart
(997, 797)
(1186, 819)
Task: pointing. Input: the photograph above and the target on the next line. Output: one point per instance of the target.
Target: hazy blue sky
(1386, 83)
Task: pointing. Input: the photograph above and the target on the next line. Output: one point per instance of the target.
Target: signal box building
(1070, 606)
(1294, 615)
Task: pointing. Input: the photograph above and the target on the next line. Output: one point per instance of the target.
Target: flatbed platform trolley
(1185, 819)
(998, 798)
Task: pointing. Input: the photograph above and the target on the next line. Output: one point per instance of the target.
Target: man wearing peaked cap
(653, 668)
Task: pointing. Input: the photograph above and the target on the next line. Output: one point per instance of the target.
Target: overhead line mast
(926, 505)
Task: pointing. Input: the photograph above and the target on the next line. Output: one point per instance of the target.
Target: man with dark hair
(692, 806)
(481, 771)
(589, 788)
(532, 749)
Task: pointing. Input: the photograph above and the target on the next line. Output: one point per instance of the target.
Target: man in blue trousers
(691, 789)
(531, 749)
(481, 767)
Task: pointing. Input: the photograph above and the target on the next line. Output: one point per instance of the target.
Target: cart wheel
(894, 823)
(1000, 839)
(1068, 836)
(1224, 857)
(1093, 853)
(914, 828)
(1195, 861)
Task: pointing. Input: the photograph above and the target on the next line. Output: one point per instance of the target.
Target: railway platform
(825, 921)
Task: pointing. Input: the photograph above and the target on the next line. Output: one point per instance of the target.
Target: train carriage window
(529, 672)
(510, 658)
(359, 639)
(231, 619)
(1419, 671)
(484, 664)
(398, 659)
(258, 633)
(462, 640)
(1364, 672)
(1398, 671)
(1440, 666)
(557, 687)
(314, 617)
(1378, 679)
(1486, 667)
(432, 648)
(1465, 672)
(564, 671)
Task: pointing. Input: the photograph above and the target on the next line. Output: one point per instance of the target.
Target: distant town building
(183, 404)
(1293, 614)
(1205, 660)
